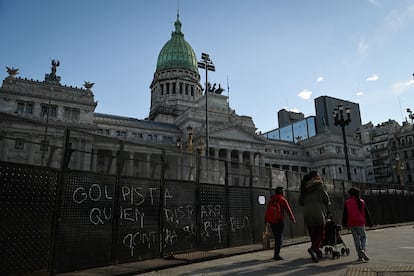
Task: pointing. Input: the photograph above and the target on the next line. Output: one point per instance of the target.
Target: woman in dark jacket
(315, 201)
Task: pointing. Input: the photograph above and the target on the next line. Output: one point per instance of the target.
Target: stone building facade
(34, 115)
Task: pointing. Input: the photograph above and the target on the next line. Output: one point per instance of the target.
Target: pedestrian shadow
(300, 266)
(304, 266)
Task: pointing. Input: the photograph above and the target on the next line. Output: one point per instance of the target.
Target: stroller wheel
(347, 251)
(343, 251)
(326, 250)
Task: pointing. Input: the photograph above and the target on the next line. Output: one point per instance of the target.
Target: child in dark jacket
(355, 217)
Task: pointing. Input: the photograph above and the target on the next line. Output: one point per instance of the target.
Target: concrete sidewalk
(391, 251)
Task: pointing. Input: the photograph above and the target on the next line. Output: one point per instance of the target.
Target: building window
(323, 171)
(120, 133)
(47, 110)
(29, 108)
(340, 170)
(181, 88)
(20, 107)
(71, 113)
(192, 90)
(19, 144)
(24, 107)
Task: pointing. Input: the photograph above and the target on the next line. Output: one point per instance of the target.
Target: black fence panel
(27, 200)
(239, 216)
(179, 233)
(298, 229)
(258, 212)
(138, 236)
(213, 217)
(336, 208)
(85, 230)
(159, 206)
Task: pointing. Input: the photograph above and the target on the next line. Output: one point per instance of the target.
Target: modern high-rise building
(324, 107)
(285, 117)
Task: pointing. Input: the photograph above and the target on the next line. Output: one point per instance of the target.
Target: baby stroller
(333, 242)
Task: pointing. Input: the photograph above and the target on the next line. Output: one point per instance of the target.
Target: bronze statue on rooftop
(12, 71)
(55, 63)
(88, 85)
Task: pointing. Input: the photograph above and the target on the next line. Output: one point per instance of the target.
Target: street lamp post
(340, 120)
(207, 65)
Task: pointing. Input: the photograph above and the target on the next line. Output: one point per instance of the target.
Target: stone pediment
(235, 133)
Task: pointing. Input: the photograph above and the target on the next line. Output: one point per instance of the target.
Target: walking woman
(315, 201)
(355, 217)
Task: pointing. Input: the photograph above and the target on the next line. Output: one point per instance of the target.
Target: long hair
(305, 179)
(357, 194)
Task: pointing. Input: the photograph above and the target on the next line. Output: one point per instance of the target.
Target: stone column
(251, 156)
(228, 155)
(93, 159)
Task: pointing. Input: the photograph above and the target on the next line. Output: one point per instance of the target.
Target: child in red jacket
(276, 209)
(355, 217)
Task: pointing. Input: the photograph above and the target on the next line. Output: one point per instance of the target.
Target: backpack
(273, 212)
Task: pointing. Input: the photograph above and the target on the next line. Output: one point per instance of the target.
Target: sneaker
(319, 254)
(277, 258)
(313, 255)
(363, 255)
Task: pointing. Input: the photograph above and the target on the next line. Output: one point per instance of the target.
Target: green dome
(177, 53)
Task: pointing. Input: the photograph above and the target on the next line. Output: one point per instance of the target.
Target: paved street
(391, 252)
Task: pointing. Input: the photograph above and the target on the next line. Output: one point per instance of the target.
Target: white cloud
(362, 48)
(305, 94)
(359, 93)
(373, 78)
(401, 87)
(319, 79)
(373, 2)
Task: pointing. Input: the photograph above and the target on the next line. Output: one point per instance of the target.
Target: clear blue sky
(275, 53)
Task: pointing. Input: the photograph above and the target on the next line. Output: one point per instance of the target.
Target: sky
(271, 54)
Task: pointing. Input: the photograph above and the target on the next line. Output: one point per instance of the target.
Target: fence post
(252, 199)
(162, 203)
(226, 186)
(198, 200)
(67, 151)
(116, 204)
